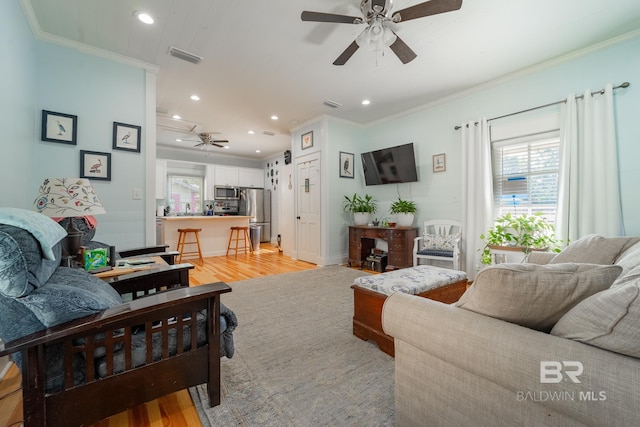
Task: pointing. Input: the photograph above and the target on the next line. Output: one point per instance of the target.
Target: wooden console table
(400, 241)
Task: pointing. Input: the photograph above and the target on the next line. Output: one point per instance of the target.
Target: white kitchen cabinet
(161, 179)
(226, 175)
(209, 182)
(249, 177)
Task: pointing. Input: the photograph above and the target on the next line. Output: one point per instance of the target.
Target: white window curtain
(477, 192)
(588, 185)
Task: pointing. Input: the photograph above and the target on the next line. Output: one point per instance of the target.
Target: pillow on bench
(439, 244)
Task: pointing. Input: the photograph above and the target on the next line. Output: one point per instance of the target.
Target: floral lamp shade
(67, 197)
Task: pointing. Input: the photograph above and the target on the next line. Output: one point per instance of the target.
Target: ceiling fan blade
(402, 51)
(348, 53)
(217, 145)
(220, 141)
(198, 145)
(432, 7)
(329, 17)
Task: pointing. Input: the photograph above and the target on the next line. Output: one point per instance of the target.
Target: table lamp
(68, 198)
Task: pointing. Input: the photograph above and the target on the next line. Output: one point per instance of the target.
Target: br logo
(552, 371)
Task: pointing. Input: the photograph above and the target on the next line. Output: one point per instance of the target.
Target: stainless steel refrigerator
(256, 203)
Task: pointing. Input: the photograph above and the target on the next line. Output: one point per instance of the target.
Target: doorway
(308, 208)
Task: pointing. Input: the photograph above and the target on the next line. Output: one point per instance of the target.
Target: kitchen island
(214, 236)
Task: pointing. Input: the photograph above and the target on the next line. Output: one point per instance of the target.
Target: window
(525, 174)
(185, 193)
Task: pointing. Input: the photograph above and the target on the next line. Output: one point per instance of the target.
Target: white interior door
(308, 209)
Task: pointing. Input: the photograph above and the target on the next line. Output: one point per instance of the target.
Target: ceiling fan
(377, 15)
(206, 138)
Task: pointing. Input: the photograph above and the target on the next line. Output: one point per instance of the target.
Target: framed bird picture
(346, 165)
(95, 165)
(126, 137)
(59, 127)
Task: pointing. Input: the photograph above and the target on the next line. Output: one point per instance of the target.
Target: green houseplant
(404, 211)
(526, 232)
(361, 207)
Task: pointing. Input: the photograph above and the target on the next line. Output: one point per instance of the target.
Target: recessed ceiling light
(257, 151)
(178, 140)
(274, 117)
(226, 147)
(195, 97)
(144, 17)
(251, 132)
(175, 116)
(366, 102)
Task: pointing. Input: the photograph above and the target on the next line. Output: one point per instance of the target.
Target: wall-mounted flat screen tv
(391, 165)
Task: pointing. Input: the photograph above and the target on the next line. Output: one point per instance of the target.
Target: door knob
(298, 217)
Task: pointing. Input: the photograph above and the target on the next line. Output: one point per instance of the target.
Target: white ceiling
(260, 59)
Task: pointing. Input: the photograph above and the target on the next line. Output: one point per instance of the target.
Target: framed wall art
(307, 140)
(95, 165)
(59, 127)
(346, 165)
(439, 162)
(126, 137)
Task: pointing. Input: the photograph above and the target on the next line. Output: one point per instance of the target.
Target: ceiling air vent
(268, 132)
(332, 104)
(184, 55)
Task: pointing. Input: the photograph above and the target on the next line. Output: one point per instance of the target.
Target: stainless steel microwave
(226, 193)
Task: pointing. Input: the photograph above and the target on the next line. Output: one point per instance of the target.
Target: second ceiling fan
(377, 15)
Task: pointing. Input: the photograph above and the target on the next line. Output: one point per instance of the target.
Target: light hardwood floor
(176, 409)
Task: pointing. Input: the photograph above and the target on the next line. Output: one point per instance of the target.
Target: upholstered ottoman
(370, 292)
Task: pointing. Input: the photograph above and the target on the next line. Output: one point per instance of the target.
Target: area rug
(297, 361)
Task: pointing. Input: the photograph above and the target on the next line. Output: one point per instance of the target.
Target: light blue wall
(35, 75)
(17, 99)
(99, 92)
(431, 129)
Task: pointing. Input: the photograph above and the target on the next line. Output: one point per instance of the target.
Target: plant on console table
(524, 232)
(361, 207)
(404, 211)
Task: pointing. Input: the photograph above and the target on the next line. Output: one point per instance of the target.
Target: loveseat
(84, 353)
(554, 342)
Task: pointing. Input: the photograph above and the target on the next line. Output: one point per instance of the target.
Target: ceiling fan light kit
(378, 16)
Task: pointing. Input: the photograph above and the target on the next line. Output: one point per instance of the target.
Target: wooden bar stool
(182, 240)
(245, 239)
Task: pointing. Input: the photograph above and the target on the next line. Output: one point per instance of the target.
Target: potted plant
(524, 232)
(361, 207)
(404, 211)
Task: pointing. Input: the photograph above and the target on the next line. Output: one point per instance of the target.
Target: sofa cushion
(595, 249)
(535, 296)
(70, 294)
(46, 231)
(628, 260)
(609, 319)
(22, 264)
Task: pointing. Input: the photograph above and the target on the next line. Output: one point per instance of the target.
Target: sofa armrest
(126, 314)
(505, 359)
(141, 283)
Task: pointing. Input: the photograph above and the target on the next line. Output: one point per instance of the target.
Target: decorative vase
(361, 218)
(404, 219)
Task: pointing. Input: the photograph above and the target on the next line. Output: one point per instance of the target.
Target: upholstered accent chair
(440, 241)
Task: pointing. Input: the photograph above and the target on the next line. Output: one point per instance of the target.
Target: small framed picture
(307, 140)
(126, 137)
(439, 162)
(95, 165)
(59, 127)
(346, 165)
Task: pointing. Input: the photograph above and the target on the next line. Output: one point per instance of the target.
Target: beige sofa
(464, 365)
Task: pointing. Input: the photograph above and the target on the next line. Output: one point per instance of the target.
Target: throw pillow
(595, 249)
(70, 294)
(441, 242)
(609, 319)
(535, 296)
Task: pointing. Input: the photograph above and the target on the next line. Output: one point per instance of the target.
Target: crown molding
(44, 36)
